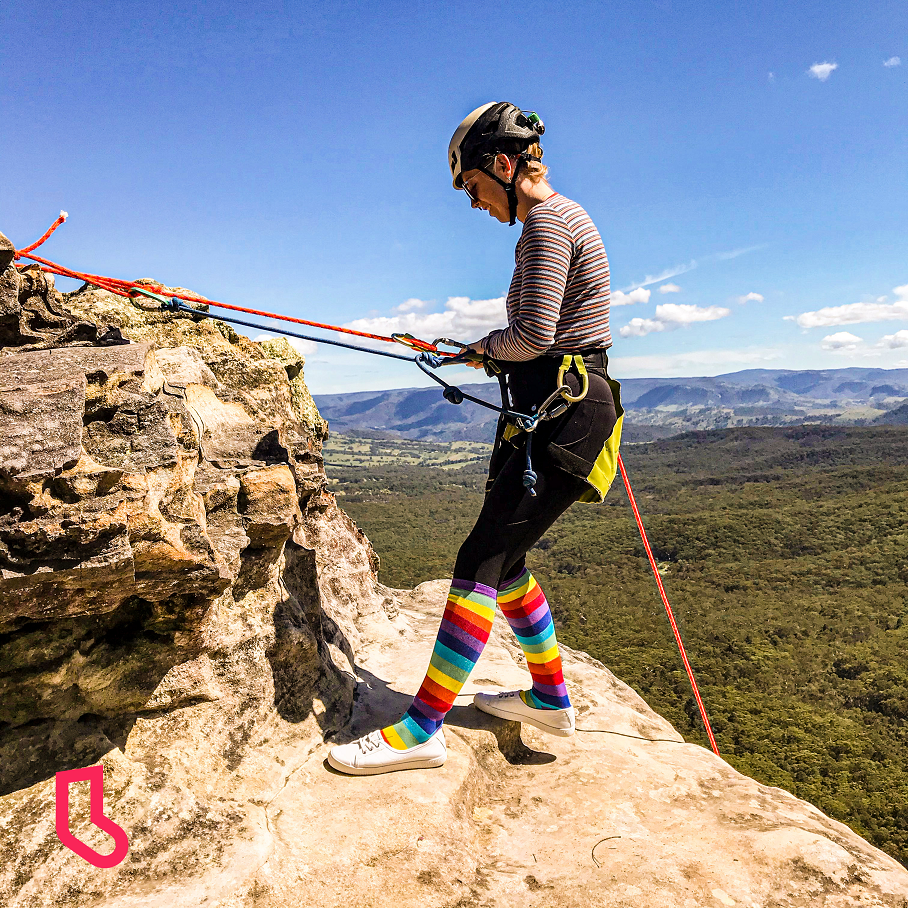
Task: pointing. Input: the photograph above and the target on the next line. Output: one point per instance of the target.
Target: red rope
(63, 216)
(123, 288)
(668, 608)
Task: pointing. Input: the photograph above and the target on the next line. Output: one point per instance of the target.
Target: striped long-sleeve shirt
(558, 301)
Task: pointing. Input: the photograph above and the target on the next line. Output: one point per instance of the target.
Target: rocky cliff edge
(182, 601)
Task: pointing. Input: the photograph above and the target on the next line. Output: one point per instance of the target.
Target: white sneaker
(509, 705)
(371, 755)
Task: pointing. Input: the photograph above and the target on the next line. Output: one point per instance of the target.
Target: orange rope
(63, 216)
(668, 609)
(124, 288)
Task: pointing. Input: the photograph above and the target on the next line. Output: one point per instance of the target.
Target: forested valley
(785, 556)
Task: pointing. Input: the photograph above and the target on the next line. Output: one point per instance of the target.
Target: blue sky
(292, 157)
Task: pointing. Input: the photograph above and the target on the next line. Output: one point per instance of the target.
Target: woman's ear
(503, 167)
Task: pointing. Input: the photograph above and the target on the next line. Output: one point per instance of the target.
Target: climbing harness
(428, 358)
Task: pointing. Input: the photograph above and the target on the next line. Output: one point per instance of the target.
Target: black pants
(512, 521)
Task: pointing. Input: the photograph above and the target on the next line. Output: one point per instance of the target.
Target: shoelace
(511, 694)
(369, 742)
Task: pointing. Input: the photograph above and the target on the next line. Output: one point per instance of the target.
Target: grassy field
(785, 555)
(375, 449)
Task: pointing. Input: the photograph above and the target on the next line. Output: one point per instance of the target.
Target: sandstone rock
(7, 251)
(191, 682)
(32, 315)
(185, 365)
(121, 364)
(144, 508)
(279, 348)
(43, 426)
(10, 310)
(624, 813)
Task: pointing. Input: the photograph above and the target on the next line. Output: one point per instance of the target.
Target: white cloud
(842, 341)
(669, 288)
(680, 314)
(822, 71)
(620, 298)
(693, 263)
(733, 253)
(301, 346)
(640, 327)
(894, 341)
(412, 305)
(772, 77)
(462, 319)
(854, 313)
(750, 298)
(663, 275)
(892, 61)
(670, 316)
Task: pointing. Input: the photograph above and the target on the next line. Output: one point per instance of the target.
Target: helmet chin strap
(510, 188)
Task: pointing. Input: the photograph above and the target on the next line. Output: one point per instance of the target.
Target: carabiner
(566, 364)
(448, 342)
(414, 343)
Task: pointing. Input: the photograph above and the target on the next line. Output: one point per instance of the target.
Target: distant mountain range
(655, 407)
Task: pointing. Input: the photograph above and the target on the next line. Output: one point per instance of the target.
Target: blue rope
(176, 305)
(425, 360)
(455, 395)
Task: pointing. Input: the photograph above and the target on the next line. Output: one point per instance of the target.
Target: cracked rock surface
(182, 601)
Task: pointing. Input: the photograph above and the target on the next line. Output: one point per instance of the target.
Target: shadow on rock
(37, 752)
(301, 663)
(377, 704)
(71, 689)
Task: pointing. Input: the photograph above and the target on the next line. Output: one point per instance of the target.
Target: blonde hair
(532, 170)
(535, 170)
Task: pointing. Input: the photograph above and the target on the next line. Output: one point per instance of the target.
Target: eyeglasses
(470, 196)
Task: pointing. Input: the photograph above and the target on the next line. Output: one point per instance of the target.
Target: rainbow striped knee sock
(528, 613)
(465, 628)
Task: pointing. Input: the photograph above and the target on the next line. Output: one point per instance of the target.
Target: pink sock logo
(94, 775)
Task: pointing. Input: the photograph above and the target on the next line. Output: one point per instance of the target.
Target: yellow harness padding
(606, 466)
(510, 430)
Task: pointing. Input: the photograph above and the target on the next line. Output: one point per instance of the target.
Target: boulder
(32, 314)
(147, 491)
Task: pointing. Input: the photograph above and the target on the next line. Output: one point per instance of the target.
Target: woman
(557, 335)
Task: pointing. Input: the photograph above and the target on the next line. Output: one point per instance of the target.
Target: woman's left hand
(475, 347)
